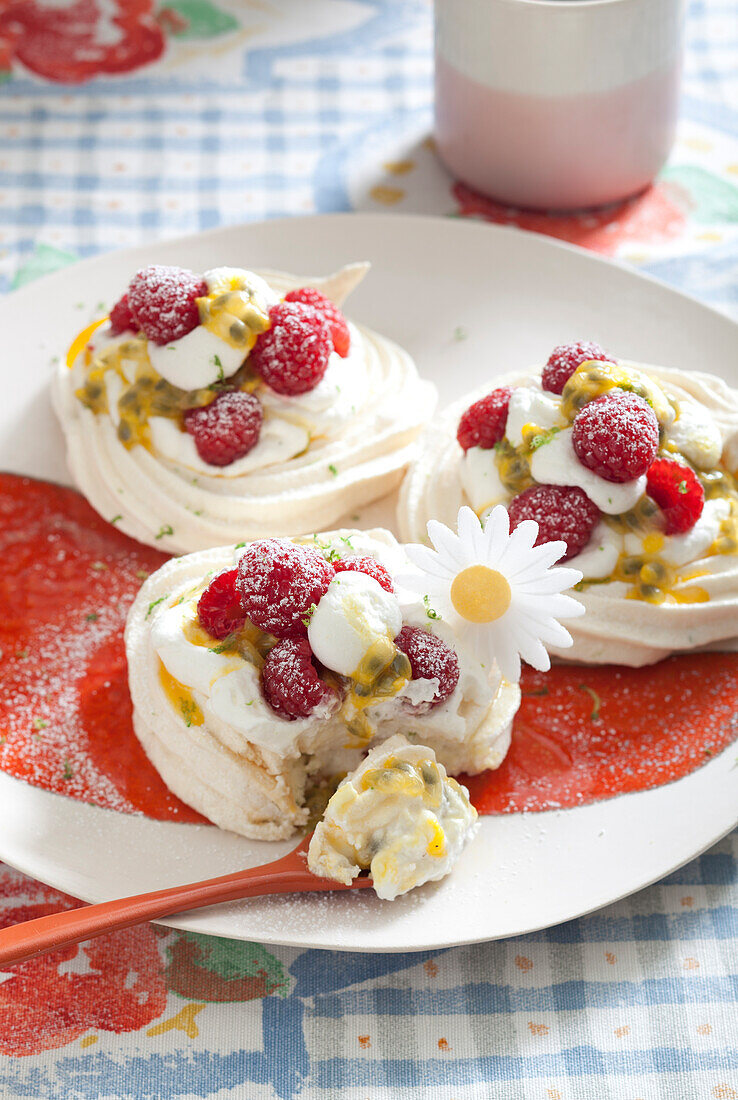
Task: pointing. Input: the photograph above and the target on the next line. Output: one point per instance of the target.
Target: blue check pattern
(636, 1002)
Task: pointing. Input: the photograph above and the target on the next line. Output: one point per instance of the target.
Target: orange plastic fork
(287, 875)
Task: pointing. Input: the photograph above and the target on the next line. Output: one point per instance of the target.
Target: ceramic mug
(557, 104)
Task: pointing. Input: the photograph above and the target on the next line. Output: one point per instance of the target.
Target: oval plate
(469, 301)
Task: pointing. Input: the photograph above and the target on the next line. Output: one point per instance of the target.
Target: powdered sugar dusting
(561, 511)
(430, 659)
(584, 734)
(279, 582)
(162, 301)
(564, 360)
(483, 423)
(616, 436)
(65, 715)
(226, 429)
(291, 683)
(293, 355)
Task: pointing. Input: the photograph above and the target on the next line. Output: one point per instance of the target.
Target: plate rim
(183, 922)
(464, 224)
(383, 222)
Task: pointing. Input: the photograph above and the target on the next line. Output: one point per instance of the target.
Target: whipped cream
(698, 415)
(319, 455)
(354, 615)
(531, 405)
(201, 716)
(399, 816)
(203, 356)
(696, 435)
(481, 480)
(194, 361)
(555, 463)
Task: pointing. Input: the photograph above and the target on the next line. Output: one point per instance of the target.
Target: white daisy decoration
(496, 588)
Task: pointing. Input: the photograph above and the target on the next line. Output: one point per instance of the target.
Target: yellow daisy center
(480, 594)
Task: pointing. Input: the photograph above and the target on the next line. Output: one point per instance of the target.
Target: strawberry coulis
(66, 583)
(68, 579)
(583, 734)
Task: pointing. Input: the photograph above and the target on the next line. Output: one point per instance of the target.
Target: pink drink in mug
(557, 104)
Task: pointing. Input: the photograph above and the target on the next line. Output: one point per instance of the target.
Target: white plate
(513, 296)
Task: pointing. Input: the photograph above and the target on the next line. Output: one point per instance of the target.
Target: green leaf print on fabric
(208, 968)
(714, 200)
(202, 19)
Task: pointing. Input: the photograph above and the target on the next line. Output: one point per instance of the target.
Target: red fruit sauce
(587, 733)
(68, 579)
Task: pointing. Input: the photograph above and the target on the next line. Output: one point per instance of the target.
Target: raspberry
(226, 429)
(561, 512)
(429, 657)
(279, 582)
(292, 356)
(340, 334)
(121, 318)
(616, 436)
(291, 683)
(564, 360)
(370, 566)
(678, 492)
(162, 301)
(483, 423)
(219, 607)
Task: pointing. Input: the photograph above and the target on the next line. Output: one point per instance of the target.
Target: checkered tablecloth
(120, 121)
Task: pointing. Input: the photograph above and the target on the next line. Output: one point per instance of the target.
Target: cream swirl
(202, 718)
(399, 816)
(320, 454)
(615, 628)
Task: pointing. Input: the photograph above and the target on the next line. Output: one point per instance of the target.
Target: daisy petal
(556, 606)
(550, 632)
(531, 649)
(538, 562)
(565, 641)
(508, 662)
(552, 581)
(470, 531)
(496, 534)
(519, 545)
(449, 546)
(429, 561)
(566, 607)
(493, 640)
(568, 577)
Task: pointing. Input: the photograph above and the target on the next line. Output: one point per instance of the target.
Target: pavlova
(263, 674)
(230, 404)
(633, 466)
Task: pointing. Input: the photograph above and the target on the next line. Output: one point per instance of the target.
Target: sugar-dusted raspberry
(564, 360)
(219, 607)
(370, 566)
(162, 301)
(430, 658)
(226, 429)
(616, 436)
(279, 582)
(291, 683)
(678, 492)
(340, 333)
(483, 423)
(562, 512)
(121, 318)
(292, 356)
